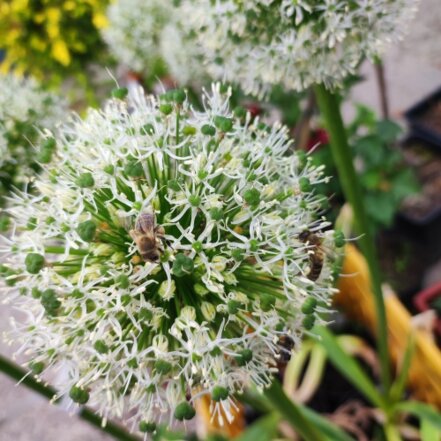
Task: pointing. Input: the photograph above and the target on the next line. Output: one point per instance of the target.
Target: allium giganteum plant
(26, 110)
(147, 37)
(295, 43)
(166, 253)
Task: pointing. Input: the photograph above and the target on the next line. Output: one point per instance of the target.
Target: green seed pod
(166, 109)
(244, 357)
(123, 281)
(223, 124)
(216, 213)
(179, 96)
(163, 367)
(184, 411)
(309, 305)
(252, 197)
(233, 306)
(120, 93)
(308, 322)
(134, 169)
(79, 395)
(85, 180)
(219, 393)
(147, 129)
(208, 130)
(147, 427)
(339, 238)
(189, 130)
(109, 169)
(305, 185)
(101, 347)
(86, 230)
(50, 302)
(34, 263)
(36, 367)
(182, 266)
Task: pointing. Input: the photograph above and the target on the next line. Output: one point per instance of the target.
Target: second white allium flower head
(295, 43)
(165, 256)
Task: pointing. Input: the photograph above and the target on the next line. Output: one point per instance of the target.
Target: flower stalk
(341, 152)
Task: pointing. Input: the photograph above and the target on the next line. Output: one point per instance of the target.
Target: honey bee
(286, 345)
(317, 253)
(148, 237)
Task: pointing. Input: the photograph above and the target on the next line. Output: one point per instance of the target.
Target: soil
(431, 118)
(427, 165)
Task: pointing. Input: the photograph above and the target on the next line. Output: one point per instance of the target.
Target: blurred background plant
(53, 40)
(26, 109)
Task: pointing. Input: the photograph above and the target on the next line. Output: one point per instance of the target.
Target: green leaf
(422, 411)
(388, 130)
(397, 389)
(348, 367)
(429, 432)
(263, 429)
(291, 412)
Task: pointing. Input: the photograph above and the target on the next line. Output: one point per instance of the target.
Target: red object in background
(318, 137)
(425, 298)
(254, 109)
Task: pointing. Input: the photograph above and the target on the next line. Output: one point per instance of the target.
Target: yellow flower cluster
(57, 36)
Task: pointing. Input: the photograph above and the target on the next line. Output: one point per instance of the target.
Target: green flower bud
(147, 129)
(173, 184)
(123, 281)
(109, 169)
(85, 180)
(79, 395)
(267, 302)
(147, 427)
(101, 347)
(182, 265)
(86, 230)
(216, 213)
(238, 254)
(36, 367)
(195, 200)
(219, 393)
(254, 245)
(184, 411)
(244, 357)
(240, 112)
(32, 223)
(339, 238)
(50, 302)
(252, 197)
(120, 92)
(134, 169)
(163, 367)
(189, 130)
(208, 130)
(197, 246)
(179, 96)
(145, 314)
(309, 305)
(166, 109)
(4, 223)
(223, 124)
(308, 322)
(34, 263)
(233, 306)
(305, 184)
(35, 293)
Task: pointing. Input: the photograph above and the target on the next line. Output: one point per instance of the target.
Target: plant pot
(426, 299)
(422, 211)
(425, 118)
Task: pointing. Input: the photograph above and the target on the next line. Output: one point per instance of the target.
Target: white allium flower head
(295, 43)
(25, 109)
(143, 34)
(166, 255)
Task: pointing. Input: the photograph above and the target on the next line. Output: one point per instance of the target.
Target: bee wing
(126, 221)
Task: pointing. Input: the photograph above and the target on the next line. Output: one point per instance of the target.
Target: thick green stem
(292, 413)
(342, 154)
(18, 373)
